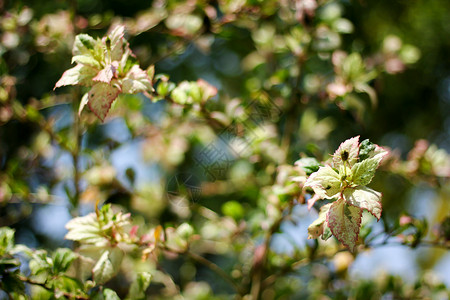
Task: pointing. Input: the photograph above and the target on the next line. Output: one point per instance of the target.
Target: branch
(44, 286)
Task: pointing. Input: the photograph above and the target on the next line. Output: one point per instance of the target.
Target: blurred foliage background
(323, 71)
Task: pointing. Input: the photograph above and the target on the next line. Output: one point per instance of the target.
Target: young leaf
(326, 182)
(347, 152)
(365, 148)
(106, 75)
(83, 102)
(79, 74)
(117, 41)
(138, 287)
(88, 60)
(85, 229)
(62, 259)
(6, 240)
(83, 45)
(364, 198)
(344, 221)
(136, 81)
(317, 227)
(363, 172)
(103, 269)
(101, 96)
(309, 164)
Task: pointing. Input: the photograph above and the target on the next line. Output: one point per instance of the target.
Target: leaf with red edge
(326, 182)
(347, 151)
(344, 221)
(117, 41)
(318, 227)
(79, 74)
(364, 198)
(107, 74)
(136, 81)
(101, 96)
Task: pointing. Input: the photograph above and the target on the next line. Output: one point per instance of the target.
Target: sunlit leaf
(326, 182)
(138, 287)
(364, 198)
(344, 221)
(101, 96)
(347, 152)
(317, 227)
(103, 269)
(79, 74)
(136, 81)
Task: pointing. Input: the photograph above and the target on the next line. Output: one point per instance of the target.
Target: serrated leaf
(101, 96)
(317, 227)
(62, 259)
(347, 151)
(136, 81)
(88, 60)
(364, 198)
(363, 172)
(85, 229)
(138, 287)
(107, 74)
(103, 269)
(83, 45)
(40, 262)
(326, 182)
(79, 74)
(344, 221)
(117, 41)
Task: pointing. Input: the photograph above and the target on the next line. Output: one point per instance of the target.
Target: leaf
(88, 60)
(83, 102)
(347, 152)
(317, 227)
(344, 221)
(138, 287)
(83, 45)
(6, 240)
(326, 182)
(103, 269)
(79, 74)
(62, 259)
(363, 172)
(106, 75)
(85, 229)
(39, 262)
(364, 198)
(101, 96)
(109, 294)
(365, 148)
(309, 164)
(117, 41)
(136, 81)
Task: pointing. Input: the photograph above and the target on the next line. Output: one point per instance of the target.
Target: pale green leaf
(88, 60)
(347, 152)
(103, 269)
(106, 74)
(317, 227)
(138, 287)
(40, 262)
(6, 240)
(80, 74)
(83, 45)
(326, 182)
(136, 81)
(101, 96)
(363, 172)
(344, 221)
(109, 294)
(85, 229)
(364, 198)
(83, 102)
(117, 43)
(62, 259)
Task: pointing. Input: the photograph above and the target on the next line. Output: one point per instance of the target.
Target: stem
(75, 153)
(43, 285)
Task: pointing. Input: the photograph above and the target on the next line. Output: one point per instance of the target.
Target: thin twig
(43, 285)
